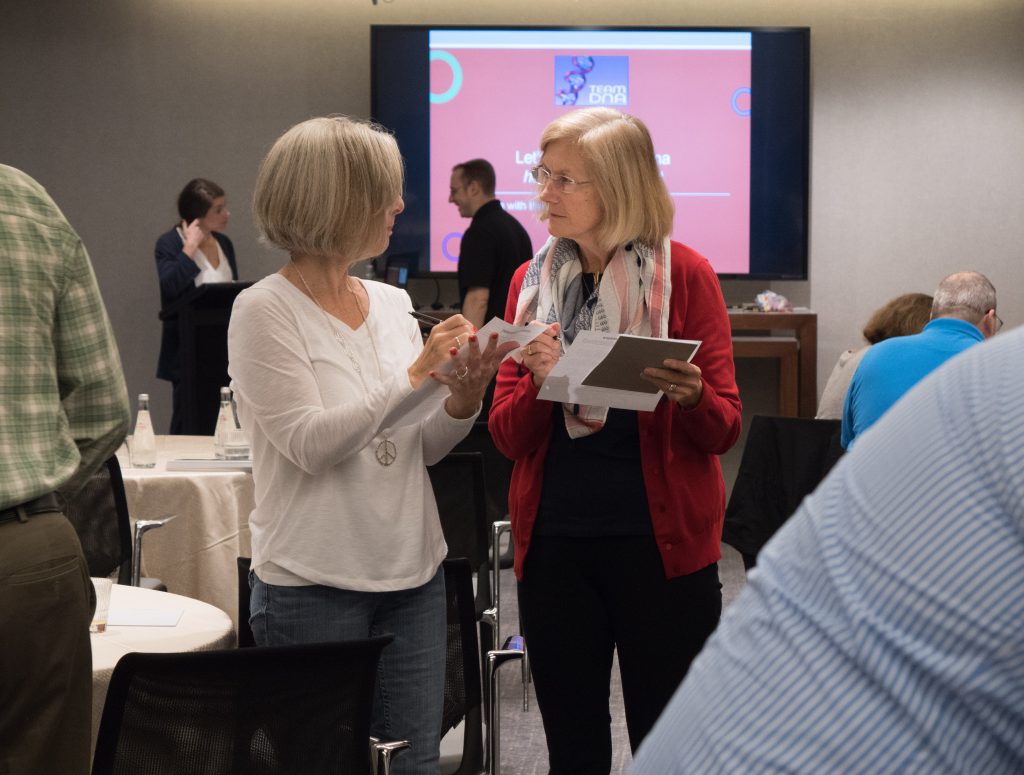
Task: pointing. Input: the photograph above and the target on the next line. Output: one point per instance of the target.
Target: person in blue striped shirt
(883, 629)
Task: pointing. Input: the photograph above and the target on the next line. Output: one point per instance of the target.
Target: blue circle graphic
(444, 245)
(453, 90)
(736, 101)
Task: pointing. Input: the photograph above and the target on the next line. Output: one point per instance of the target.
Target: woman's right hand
(541, 355)
(453, 332)
(194, 237)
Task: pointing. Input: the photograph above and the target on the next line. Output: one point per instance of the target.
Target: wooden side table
(797, 353)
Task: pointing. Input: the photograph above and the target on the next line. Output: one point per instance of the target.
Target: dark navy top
(594, 485)
(177, 273)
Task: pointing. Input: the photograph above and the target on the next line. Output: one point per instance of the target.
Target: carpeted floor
(523, 750)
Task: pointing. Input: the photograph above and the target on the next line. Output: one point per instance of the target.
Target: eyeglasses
(999, 321)
(563, 184)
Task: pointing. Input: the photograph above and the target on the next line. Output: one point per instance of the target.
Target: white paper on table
(208, 464)
(144, 617)
(588, 350)
(427, 399)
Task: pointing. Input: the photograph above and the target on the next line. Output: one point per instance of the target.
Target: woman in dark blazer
(192, 253)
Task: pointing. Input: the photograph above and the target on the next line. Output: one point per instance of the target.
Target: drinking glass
(99, 618)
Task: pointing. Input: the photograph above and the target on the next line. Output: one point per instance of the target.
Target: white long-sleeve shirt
(326, 511)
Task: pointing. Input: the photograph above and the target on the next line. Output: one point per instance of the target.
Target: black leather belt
(44, 504)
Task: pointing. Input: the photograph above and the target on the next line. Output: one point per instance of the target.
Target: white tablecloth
(194, 555)
(200, 628)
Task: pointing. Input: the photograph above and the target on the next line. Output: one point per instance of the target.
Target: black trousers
(177, 411)
(46, 603)
(580, 600)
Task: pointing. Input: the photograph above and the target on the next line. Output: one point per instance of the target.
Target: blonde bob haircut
(620, 164)
(325, 186)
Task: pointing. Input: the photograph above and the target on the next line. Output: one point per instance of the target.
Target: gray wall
(917, 158)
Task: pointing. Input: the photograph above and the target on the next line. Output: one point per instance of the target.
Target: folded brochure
(630, 355)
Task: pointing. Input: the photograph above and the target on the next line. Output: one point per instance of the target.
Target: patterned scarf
(633, 298)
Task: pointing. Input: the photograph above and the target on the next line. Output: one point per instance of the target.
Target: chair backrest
(273, 711)
(462, 687)
(245, 636)
(458, 481)
(783, 460)
(99, 513)
(497, 469)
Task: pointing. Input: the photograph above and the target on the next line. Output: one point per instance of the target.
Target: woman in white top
(191, 254)
(346, 540)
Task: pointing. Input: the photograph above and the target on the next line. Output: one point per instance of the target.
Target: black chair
(99, 513)
(261, 710)
(245, 637)
(784, 459)
(458, 482)
(497, 479)
(460, 488)
(497, 469)
(462, 686)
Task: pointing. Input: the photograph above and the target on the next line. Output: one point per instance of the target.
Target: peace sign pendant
(386, 452)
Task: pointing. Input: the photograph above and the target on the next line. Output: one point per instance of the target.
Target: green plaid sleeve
(89, 374)
(63, 401)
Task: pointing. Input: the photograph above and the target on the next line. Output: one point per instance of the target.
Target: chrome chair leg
(513, 649)
(527, 678)
(498, 529)
(143, 526)
(383, 753)
(492, 616)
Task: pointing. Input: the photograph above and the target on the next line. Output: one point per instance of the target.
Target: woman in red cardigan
(616, 514)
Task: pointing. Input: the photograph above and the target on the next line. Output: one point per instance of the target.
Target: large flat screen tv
(728, 110)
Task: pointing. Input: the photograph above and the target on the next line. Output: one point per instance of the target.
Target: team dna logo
(586, 81)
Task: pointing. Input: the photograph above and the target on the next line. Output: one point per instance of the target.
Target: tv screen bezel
(785, 81)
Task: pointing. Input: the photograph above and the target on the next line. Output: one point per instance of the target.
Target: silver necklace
(386, 452)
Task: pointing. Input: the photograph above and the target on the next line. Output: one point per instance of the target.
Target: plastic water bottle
(225, 423)
(143, 447)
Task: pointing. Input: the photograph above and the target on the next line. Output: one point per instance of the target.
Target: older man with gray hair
(963, 314)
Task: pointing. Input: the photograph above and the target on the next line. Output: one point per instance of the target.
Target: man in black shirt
(493, 247)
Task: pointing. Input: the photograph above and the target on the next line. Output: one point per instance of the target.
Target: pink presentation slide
(696, 104)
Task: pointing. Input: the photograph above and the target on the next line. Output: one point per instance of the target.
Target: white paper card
(422, 403)
(589, 349)
(144, 617)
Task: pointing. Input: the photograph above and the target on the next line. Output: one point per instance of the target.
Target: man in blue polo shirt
(963, 314)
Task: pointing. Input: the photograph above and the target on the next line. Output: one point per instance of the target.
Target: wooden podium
(203, 316)
(797, 353)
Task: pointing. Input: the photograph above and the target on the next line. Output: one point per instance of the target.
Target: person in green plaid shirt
(63, 411)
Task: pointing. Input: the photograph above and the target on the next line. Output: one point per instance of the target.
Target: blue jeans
(409, 696)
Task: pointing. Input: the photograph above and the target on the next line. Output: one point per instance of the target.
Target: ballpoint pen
(425, 319)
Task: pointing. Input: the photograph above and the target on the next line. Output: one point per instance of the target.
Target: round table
(200, 627)
(195, 554)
